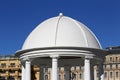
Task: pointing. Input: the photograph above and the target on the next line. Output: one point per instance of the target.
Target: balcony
(10, 67)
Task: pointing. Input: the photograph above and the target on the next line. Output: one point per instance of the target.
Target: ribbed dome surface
(61, 31)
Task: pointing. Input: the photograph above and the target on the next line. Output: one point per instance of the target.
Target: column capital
(27, 59)
(88, 57)
(28, 69)
(54, 56)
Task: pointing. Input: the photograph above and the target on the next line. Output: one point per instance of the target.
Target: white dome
(61, 31)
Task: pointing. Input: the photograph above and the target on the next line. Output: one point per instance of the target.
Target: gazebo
(61, 41)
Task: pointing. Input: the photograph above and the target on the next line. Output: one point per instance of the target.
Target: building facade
(112, 67)
(10, 68)
(112, 64)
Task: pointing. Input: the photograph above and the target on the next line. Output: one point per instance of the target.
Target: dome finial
(60, 14)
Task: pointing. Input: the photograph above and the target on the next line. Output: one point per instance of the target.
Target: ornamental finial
(60, 14)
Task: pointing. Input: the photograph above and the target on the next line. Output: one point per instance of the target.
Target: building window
(116, 59)
(80, 76)
(19, 78)
(2, 71)
(46, 77)
(80, 67)
(19, 70)
(110, 59)
(110, 66)
(73, 76)
(97, 74)
(12, 64)
(104, 66)
(12, 71)
(65, 76)
(11, 78)
(105, 74)
(45, 69)
(116, 66)
(2, 78)
(3, 65)
(110, 74)
(116, 74)
(59, 77)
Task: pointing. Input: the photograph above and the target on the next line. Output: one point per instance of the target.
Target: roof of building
(6, 57)
(113, 50)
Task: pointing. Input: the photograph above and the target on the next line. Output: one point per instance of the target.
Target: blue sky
(19, 17)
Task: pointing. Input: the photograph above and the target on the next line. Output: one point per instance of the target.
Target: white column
(95, 72)
(87, 69)
(28, 70)
(23, 73)
(54, 68)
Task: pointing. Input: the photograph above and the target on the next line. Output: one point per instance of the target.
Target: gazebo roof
(61, 31)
